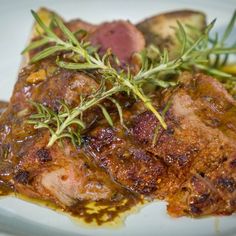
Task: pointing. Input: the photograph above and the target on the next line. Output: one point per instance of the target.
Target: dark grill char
(22, 177)
(43, 155)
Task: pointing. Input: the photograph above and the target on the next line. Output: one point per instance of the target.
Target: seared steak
(63, 174)
(191, 164)
(193, 158)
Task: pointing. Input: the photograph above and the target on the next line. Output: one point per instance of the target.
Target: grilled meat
(121, 36)
(63, 174)
(191, 164)
(193, 157)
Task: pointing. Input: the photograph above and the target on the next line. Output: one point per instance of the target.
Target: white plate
(21, 218)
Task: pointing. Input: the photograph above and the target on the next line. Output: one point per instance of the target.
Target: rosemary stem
(84, 54)
(100, 64)
(146, 102)
(150, 72)
(77, 111)
(172, 65)
(149, 105)
(79, 51)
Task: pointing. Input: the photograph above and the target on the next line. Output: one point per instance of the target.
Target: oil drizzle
(91, 214)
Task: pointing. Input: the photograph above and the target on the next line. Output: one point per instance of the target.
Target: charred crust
(202, 198)
(170, 131)
(104, 139)
(43, 155)
(85, 140)
(233, 163)
(202, 174)
(195, 210)
(143, 127)
(183, 160)
(86, 165)
(223, 159)
(226, 183)
(22, 177)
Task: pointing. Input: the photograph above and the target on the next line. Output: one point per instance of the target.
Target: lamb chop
(63, 174)
(190, 164)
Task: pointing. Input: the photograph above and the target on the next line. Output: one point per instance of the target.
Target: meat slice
(121, 36)
(191, 161)
(78, 24)
(62, 174)
(127, 163)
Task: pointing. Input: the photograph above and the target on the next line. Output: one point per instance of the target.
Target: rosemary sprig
(194, 53)
(59, 124)
(221, 56)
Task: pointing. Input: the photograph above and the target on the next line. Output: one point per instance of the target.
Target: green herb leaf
(77, 66)
(229, 28)
(46, 52)
(183, 37)
(213, 71)
(35, 44)
(106, 115)
(46, 29)
(119, 108)
(70, 36)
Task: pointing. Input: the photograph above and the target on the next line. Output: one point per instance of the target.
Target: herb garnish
(194, 54)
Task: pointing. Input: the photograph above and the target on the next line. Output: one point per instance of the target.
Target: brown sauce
(105, 212)
(86, 213)
(108, 213)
